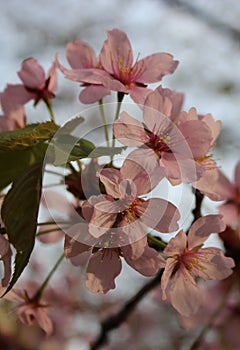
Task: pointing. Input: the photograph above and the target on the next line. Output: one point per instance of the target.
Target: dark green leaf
(19, 213)
(13, 163)
(29, 136)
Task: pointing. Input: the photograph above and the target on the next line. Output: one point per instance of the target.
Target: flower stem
(120, 97)
(45, 282)
(156, 242)
(50, 110)
(100, 102)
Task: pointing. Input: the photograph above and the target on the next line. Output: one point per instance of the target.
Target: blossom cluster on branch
(114, 215)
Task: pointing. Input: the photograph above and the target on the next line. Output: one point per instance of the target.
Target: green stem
(120, 97)
(50, 110)
(156, 241)
(100, 102)
(45, 282)
(54, 223)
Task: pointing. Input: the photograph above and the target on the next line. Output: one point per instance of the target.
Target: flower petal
(104, 266)
(93, 93)
(116, 52)
(80, 55)
(203, 227)
(155, 66)
(129, 131)
(184, 293)
(32, 74)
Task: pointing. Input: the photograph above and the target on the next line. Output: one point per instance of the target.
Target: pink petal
(111, 179)
(32, 74)
(237, 175)
(6, 257)
(13, 97)
(178, 167)
(147, 158)
(80, 55)
(52, 76)
(155, 66)
(176, 245)
(143, 180)
(73, 247)
(156, 100)
(224, 188)
(159, 214)
(116, 52)
(134, 250)
(214, 126)
(208, 184)
(93, 93)
(198, 136)
(43, 320)
(229, 211)
(148, 263)
(214, 265)
(184, 293)
(139, 93)
(104, 266)
(162, 104)
(203, 227)
(129, 131)
(169, 268)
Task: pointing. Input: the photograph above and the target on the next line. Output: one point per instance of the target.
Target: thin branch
(116, 320)
(198, 204)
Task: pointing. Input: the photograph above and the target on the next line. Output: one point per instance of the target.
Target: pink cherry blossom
(31, 310)
(161, 141)
(104, 264)
(36, 86)
(117, 59)
(116, 70)
(122, 208)
(187, 260)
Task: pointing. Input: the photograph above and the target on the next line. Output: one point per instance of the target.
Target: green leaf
(29, 136)
(19, 213)
(106, 151)
(14, 163)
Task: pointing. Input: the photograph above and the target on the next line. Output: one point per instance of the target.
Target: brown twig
(116, 320)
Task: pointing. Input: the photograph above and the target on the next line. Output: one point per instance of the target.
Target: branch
(116, 320)
(198, 204)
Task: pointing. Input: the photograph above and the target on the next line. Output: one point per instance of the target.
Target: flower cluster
(118, 216)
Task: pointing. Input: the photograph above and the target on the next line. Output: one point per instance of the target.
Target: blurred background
(204, 35)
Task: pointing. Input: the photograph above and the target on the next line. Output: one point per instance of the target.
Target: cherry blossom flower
(187, 261)
(231, 208)
(116, 70)
(161, 141)
(31, 310)
(36, 86)
(104, 265)
(122, 209)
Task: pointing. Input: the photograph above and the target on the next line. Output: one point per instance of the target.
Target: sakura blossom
(115, 70)
(31, 310)
(187, 260)
(104, 264)
(163, 142)
(122, 209)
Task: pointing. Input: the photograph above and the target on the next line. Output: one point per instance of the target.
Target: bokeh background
(204, 35)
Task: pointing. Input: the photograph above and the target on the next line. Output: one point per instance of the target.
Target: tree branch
(116, 320)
